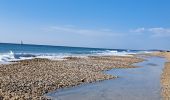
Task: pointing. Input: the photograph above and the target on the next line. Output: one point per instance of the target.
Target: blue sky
(131, 24)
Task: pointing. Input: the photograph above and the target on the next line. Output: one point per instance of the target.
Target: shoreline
(31, 79)
(165, 78)
(142, 83)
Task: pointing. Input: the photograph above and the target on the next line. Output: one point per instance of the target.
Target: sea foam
(11, 56)
(6, 57)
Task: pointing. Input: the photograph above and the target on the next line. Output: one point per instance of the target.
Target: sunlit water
(141, 83)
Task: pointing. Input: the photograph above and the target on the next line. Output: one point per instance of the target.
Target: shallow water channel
(142, 83)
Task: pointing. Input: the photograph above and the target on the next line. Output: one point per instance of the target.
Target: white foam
(146, 52)
(10, 56)
(61, 57)
(5, 57)
(116, 53)
(52, 57)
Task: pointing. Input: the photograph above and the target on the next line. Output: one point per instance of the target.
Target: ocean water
(12, 52)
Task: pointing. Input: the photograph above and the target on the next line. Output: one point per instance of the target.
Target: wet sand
(142, 83)
(31, 79)
(166, 76)
(165, 80)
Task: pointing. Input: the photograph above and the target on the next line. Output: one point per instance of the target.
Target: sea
(14, 52)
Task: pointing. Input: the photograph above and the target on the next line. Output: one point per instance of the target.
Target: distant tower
(21, 42)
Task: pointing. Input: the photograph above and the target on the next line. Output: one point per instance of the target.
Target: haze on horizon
(123, 24)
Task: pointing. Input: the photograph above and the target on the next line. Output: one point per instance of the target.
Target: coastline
(31, 79)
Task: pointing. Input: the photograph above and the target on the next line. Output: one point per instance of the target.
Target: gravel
(31, 79)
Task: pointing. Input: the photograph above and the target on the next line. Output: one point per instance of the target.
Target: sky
(123, 24)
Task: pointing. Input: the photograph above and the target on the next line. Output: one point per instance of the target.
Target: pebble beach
(31, 79)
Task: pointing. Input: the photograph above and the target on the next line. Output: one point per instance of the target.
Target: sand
(31, 79)
(166, 78)
(166, 82)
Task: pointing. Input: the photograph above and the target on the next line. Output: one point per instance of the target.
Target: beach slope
(31, 79)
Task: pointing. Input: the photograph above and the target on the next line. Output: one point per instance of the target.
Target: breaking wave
(5, 57)
(11, 56)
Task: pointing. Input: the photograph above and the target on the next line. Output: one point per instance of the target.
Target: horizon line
(76, 46)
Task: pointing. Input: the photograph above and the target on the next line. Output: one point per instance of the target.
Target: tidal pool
(142, 83)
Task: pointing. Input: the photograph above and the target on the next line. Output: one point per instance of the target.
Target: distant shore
(31, 79)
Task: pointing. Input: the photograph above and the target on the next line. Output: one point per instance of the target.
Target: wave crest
(5, 57)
